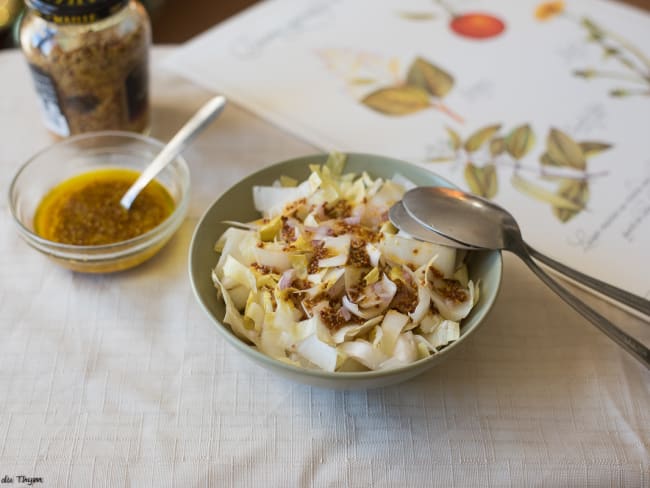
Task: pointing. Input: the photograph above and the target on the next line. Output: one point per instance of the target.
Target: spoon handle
(629, 343)
(192, 127)
(633, 301)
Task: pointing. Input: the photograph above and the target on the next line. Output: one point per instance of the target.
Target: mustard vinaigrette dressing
(85, 210)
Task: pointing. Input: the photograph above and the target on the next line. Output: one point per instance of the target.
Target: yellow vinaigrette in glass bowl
(65, 201)
(85, 210)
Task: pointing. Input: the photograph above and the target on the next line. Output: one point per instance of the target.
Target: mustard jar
(89, 60)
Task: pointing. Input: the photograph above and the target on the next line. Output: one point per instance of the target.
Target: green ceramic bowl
(237, 204)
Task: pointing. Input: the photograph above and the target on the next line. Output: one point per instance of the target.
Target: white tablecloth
(120, 380)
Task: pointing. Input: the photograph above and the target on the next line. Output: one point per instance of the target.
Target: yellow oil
(85, 210)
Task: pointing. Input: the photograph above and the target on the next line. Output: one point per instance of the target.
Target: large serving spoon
(629, 302)
(473, 221)
(199, 121)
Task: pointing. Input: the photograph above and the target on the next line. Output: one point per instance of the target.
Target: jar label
(49, 100)
(74, 12)
(137, 89)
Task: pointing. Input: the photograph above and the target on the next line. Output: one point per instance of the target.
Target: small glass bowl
(81, 154)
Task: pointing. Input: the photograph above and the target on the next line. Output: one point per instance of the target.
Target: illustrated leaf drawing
(361, 81)
(634, 62)
(482, 181)
(497, 146)
(610, 51)
(619, 93)
(575, 191)
(398, 100)
(584, 73)
(546, 160)
(595, 32)
(555, 199)
(564, 150)
(429, 77)
(520, 141)
(591, 148)
(454, 139)
(418, 16)
(480, 137)
(441, 159)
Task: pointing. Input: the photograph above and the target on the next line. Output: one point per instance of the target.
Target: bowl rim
(120, 248)
(257, 355)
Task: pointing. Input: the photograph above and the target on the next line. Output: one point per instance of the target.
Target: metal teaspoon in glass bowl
(473, 222)
(199, 121)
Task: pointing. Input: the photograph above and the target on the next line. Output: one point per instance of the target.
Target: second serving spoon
(472, 221)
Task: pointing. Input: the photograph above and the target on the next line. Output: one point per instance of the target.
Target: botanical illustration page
(543, 107)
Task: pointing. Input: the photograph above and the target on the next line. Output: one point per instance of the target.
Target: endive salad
(323, 280)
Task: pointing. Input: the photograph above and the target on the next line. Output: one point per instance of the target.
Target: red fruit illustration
(477, 25)
(473, 25)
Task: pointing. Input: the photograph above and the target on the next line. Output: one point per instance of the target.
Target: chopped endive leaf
(317, 352)
(230, 244)
(364, 352)
(430, 322)
(266, 280)
(452, 300)
(352, 331)
(269, 230)
(446, 332)
(337, 249)
(335, 163)
(273, 341)
(461, 275)
(354, 309)
(273, 257)
(268, 301)
(256, 313)
(372, 276)
(376, 334)
(314, 181)
(422, 348)
(299, 263)
(405, 349)
(403, 181)
(403, 250)
(238, 274)
(378, 295)
(374, 254)
(272, 200)
(233, 317)
(239, 296)
(423, 305)
(392, 326)
(301, 244)
(354, 192)
(388, 228)
(288, 182)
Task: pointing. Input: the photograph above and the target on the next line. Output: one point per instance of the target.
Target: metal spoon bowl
(469, 220)
(401, 219)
